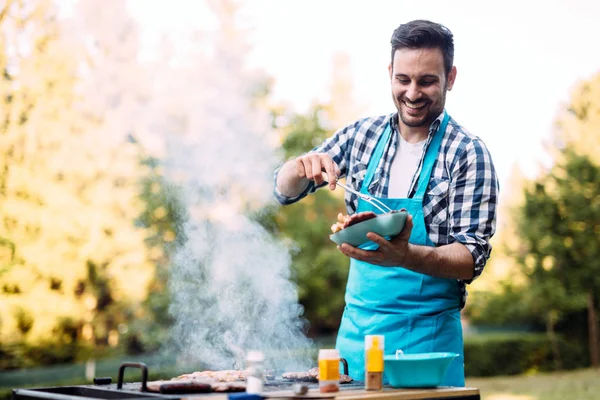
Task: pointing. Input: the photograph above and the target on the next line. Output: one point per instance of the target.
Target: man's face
(419, 85)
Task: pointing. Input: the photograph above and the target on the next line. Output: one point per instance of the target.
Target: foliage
(162, 216)
(578, 121)
(554, 230)
(319, 269)
(519, 353)
(559, 227)
(74, 267)
(503, 307)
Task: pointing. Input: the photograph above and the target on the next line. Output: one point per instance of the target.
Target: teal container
(416, 370)
(387, 225)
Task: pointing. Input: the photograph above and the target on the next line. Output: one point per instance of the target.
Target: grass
(581, 384)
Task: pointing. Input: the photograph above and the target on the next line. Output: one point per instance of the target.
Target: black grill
(137, 390)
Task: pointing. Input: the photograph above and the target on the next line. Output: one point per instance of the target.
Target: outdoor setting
(160, 220)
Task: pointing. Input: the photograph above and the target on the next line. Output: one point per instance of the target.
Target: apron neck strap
(376, 157)
(431, 156)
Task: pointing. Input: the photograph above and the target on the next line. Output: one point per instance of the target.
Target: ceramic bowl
(387, 225)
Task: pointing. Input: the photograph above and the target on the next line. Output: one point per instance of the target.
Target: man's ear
(390, 70)
(451, 78)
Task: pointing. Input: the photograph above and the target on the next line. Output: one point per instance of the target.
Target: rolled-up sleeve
(335, 146)
(473, 203)
(285, 200)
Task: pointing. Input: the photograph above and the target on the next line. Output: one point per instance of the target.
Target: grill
(277, 388)
(105, 389)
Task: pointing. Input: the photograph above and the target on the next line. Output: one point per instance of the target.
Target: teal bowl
(417, 370)
(387, 225)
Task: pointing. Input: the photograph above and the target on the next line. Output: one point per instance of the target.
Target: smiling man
(412, 287)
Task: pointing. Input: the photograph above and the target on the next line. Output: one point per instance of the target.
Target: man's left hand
(391, 252)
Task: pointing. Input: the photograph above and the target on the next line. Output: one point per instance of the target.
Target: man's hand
(453, 261)
(390, 253)
(312, 165)
(295, 175)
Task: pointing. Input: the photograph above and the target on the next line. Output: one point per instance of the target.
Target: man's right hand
(311, 166)
(294, 176)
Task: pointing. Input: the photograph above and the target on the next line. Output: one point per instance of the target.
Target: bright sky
(517, 61)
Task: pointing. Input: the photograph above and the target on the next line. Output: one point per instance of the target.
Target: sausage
(359, 217)
(344, 221)
(185, 387)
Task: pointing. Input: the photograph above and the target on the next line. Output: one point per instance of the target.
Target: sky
(517, 61)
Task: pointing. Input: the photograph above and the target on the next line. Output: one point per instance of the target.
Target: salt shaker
(255, 374)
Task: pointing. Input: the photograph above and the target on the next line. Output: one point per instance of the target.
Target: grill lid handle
(141, 366)
(343, 361)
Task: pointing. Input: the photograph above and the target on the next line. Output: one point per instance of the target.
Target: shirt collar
(432, 128)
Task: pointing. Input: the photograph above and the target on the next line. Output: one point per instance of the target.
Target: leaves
(68, 188)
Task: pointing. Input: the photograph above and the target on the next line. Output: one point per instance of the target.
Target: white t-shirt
(404, 167)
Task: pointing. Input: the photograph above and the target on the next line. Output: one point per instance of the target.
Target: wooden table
(454, 393)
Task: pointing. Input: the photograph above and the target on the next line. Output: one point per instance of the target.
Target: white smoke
(230, 279)
(193, 107)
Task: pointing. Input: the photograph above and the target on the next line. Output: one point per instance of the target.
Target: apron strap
(375, 158)
(430, 157)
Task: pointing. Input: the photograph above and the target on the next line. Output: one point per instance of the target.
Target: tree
(72, 257)
(551, 232)
(559, 231)
(320, 270)
(577, 122)
(229, 280)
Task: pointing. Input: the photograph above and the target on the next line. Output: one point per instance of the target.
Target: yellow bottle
(374, 345)
(329, 370)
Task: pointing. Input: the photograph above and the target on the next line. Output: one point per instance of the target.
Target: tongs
(371, 200)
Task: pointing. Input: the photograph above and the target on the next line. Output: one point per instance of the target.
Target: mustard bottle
(374, 345)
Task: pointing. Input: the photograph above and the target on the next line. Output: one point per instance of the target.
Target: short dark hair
(423, 34)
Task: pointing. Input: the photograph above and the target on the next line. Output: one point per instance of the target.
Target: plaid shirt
(461, 199)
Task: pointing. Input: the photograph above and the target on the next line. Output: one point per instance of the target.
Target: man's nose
(413, 92)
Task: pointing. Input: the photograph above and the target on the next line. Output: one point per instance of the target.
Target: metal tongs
(371, 200)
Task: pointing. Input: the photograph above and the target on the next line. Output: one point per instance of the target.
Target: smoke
(230, 279)
(194, 106)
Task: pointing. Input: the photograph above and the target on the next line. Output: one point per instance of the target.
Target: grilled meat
(227, 375)
(312, 375)
(345, 221)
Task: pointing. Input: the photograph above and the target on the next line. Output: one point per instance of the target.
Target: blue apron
(415, 312)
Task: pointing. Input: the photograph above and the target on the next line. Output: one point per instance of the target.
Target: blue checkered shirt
(460, 204)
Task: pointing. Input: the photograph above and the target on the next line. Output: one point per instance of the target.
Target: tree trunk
(592, 329)
(550, 322)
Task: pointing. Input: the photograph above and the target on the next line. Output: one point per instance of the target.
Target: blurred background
(138, 141)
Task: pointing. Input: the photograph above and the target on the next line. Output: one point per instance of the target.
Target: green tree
(319, 269)
(552, 233)
(74, 267)
(163, 216)
(560, 225)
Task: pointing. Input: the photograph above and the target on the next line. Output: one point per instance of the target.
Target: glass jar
(329, 370)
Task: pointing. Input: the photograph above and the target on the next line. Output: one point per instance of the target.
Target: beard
(433, 111)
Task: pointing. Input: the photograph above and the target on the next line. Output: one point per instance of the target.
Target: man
(411, 288)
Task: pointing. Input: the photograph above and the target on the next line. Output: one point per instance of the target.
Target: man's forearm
(289, 183)
(449, 261)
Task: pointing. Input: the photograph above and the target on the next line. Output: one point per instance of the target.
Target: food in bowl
(344, 221)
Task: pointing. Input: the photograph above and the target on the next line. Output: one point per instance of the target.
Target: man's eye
(404, 81)
(427, 83)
